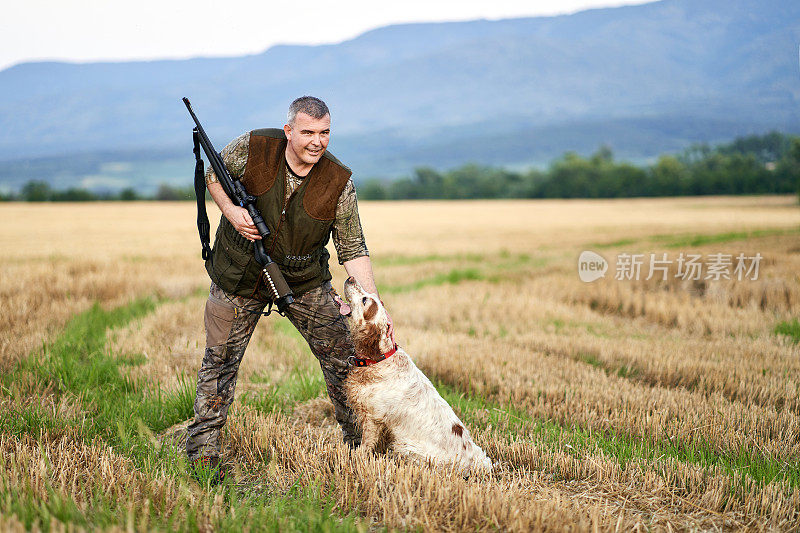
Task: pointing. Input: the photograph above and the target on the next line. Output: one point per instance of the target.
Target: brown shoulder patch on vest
(263, 160)
(329, 180)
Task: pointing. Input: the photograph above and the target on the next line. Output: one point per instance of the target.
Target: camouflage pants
(229, 327)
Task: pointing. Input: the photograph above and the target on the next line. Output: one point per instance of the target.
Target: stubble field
(614, 405)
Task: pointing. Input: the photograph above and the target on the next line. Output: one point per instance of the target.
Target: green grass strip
(790, 329)
(305, 382)
(301, 508)
(30, 420)
(406, 260)
(493, 268)
(612, 244)
(78, 363)
(282, 396)
(452, 277)
(677, 241)
(670, 240)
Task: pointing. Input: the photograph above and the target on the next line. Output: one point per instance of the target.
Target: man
(305, 195)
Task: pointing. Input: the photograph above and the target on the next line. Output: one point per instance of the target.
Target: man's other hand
(241, 221)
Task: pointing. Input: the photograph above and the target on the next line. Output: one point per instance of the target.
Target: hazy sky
(87, 30)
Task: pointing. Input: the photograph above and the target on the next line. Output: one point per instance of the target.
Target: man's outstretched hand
(241, 221)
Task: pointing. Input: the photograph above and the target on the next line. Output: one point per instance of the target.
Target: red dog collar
(366, 362)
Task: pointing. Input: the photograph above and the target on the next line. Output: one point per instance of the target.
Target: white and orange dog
(397, 406)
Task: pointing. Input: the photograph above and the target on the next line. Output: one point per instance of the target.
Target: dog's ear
(367, 341)
(370, 310)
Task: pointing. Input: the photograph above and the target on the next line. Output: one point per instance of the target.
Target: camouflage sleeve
(234, 155)
(348, 237)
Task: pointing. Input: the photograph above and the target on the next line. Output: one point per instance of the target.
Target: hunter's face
(308, 137)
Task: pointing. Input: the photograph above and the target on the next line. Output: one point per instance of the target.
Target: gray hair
(310, 105)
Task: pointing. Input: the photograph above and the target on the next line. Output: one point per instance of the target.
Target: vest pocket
(239, 248)
(219, 265)
(238, 256)
(231, 259)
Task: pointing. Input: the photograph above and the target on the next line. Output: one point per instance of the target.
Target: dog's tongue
(344, 309)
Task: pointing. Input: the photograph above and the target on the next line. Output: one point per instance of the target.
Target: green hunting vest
(299, 229)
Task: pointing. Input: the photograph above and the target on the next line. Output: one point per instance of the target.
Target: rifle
(279, 290)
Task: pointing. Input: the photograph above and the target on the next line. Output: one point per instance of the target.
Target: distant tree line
(756, 164)
(41, 191)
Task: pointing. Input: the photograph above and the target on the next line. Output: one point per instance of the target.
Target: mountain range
(643, 79)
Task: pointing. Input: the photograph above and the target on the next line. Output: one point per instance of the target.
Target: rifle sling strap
(203, 227)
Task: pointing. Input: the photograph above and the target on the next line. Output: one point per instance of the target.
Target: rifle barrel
(214, 157)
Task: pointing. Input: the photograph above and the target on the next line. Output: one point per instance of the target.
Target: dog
(397, 407)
